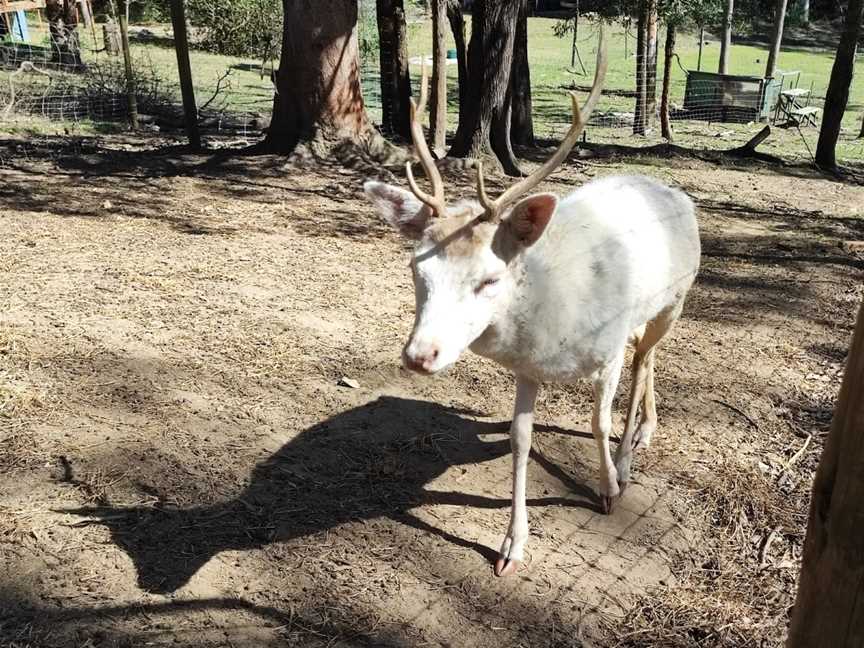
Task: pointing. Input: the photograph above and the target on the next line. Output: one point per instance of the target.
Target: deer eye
(489, 281)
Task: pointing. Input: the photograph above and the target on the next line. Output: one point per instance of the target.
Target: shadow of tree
(24, 622)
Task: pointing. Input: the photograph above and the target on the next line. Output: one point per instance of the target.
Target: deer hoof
(506, 566)
(607, 503)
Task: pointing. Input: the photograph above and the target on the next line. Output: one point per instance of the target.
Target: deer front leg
(513, 547)
(605, 385)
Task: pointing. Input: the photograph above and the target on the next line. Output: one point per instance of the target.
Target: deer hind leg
(642, 392)
(648, 413)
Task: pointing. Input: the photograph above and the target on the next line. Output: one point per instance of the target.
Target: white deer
(552, 289)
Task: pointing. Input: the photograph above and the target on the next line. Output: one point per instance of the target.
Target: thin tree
(776, 38)
(522, 125)
(701, 44)
(726, 43)
(838, 87)
(484, 127)
(438, 109)
(318, 96)
(829, 609)
(861, 134)
(668, 53)
(395, 79)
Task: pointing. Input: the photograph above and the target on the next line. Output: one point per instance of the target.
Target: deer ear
(398, 207)
(529, 218)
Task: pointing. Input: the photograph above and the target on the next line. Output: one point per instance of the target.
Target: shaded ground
(178, 463)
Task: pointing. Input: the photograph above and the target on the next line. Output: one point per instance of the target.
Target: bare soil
(179, 463)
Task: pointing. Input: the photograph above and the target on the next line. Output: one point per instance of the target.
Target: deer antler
(436, 201)
(494, 208)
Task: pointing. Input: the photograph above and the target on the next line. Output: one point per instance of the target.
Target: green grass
(551, 75)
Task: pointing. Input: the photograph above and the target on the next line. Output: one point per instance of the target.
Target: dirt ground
(179, 464)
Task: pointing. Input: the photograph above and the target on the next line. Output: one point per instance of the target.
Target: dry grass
(734, 590)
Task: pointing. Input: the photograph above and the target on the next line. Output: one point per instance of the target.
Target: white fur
(613, 265)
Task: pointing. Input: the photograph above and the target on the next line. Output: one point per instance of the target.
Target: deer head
(465, 263)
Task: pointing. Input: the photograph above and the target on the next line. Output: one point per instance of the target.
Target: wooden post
(127, 60)
(181, 46)
(111, 38)
(829, 610)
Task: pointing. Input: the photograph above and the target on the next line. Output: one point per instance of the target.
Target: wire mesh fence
(235, 94)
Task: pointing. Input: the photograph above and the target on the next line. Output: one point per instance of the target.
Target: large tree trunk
(438, 109)
(776, 38)
(62, 18)
(838, 87)
(484, 129)
(522, 124)
(395, 80)
(726, 43)
(829, 610)
(639, 120)
(668, 52)
(318, 96)
(457, 27)
(651, 65)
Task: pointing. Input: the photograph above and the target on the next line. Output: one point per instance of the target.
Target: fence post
(127, 60)
(181, 46)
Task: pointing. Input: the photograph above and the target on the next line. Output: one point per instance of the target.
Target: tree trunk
(395, 80)
(485, 127)
(776, 38)
(829, 610)
(639, 118)
(651, 66)
(318, 94)
(669, 50)
(457, 28)
(62, 16)
(861, 134)
(522, 126)
(838, 87)
(438, 103)
(805, 12)
(726, 43)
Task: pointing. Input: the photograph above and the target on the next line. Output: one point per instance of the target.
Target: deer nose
(421, 358)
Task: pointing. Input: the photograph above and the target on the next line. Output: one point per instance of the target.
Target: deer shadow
(369, 462)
